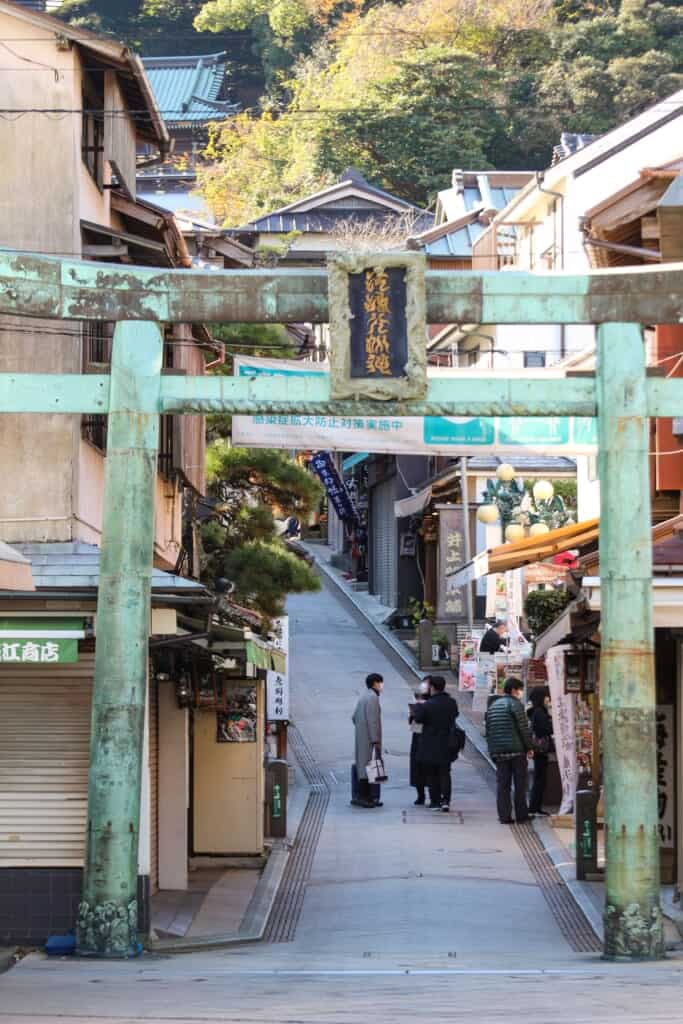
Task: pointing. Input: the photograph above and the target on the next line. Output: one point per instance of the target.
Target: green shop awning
(353, 460)
(40, 640)
(265, 657)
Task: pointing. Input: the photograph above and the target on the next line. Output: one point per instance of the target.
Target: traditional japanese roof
(188, 89)
(75, 565)
(351, 199)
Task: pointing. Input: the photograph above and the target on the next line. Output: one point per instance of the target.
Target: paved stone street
(408, 914)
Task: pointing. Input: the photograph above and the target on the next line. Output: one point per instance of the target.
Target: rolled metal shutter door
(385, 543)
(44, 756)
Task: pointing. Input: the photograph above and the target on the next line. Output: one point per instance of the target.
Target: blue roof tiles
(187, 89)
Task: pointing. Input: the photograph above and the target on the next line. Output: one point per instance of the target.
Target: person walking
(367, 719)
(542, 731)
(417, 773)
(437, 717)
(510, 745)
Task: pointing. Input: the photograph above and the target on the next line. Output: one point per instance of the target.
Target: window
(534, 359)
(97, 338)
(92, 128)
(92, 147)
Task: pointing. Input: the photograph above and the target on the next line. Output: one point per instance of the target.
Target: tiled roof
(76, 565)
(311, 222)
(350, 199)
(570, 143)
(542, 463)
(187, 89)
(472, 194)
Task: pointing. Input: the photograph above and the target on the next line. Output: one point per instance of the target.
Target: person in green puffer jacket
(510, 746)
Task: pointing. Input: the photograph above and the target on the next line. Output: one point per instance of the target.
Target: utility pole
(108, 912)
(469, 599)
(633, 922)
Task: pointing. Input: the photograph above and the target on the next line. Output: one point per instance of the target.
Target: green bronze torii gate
(134, 394)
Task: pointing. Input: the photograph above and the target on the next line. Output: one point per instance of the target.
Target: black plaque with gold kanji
(379, 331)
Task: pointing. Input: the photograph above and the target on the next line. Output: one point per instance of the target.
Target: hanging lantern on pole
(505, 472)
(538, 529)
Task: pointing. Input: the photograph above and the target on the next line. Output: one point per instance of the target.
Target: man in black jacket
(437, 717)
(510, 746)
(492, 640)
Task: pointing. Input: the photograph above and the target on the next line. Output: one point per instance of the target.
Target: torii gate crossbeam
(133, 395)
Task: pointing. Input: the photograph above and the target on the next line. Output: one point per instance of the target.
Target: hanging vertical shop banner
(277, 683)
(563, 713)
(450, 604)
(436, 435)
(336, 489)
(665, 775)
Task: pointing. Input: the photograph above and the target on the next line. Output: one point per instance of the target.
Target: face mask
(379, 687)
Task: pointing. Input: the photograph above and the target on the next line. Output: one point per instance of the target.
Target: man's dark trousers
(439, 782)
(512, 770)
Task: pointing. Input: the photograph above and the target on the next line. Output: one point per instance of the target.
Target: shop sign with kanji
(15, 651)
(377, 326)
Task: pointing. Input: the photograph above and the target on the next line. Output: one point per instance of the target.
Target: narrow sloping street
(402, 914)
(400, 878)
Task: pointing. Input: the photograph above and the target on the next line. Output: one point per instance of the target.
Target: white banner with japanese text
(444, 435)
(562, 708)
(277, 683)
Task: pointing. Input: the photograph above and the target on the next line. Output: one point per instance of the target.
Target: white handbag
(375, 770)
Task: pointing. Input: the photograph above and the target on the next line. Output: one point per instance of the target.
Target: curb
(566, 868)
(559, 855)
(255, 921)
(7, 959)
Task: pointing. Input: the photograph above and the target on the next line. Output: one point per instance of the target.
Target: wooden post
(633, 922)
(108, 913)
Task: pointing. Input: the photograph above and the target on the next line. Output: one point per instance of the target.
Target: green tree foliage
(397, 140)
(542, 607)
(406, 91)
(155, 27)
(251, 487)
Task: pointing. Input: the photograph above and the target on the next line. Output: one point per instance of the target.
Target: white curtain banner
(563, 714)
(438, 435)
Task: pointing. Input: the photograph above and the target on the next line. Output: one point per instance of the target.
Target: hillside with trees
(405, 90)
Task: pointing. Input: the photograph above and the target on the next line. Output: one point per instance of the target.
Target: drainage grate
(571, 920)
(434, 818)
(289, 901)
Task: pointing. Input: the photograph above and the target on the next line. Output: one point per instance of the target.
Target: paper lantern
(538, 529)
(514, 532)
(487, 514)
(505, 472)
(543, 490)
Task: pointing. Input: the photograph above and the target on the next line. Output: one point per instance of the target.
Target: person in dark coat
(492, 640)
(510, 745)
(542, 731)
(418, 777)
(437, 717)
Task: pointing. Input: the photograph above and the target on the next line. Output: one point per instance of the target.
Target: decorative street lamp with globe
(506, 499)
